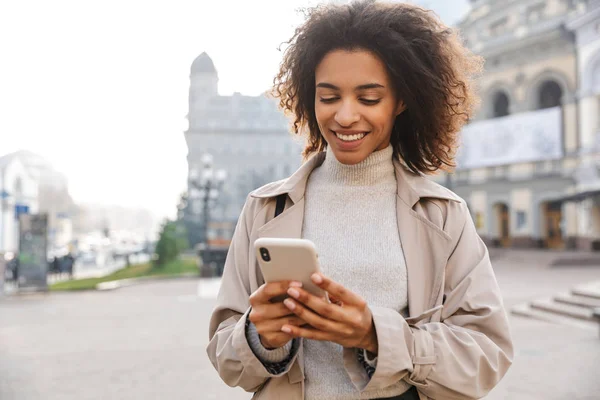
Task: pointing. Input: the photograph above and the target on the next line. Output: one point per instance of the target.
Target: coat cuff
(247, 357)
(394, 360)
(371, 362)
(265, 355)
(368, 364)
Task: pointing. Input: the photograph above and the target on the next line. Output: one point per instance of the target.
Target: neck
(375, 169)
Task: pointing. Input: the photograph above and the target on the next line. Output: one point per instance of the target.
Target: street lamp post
(208, 183)
(4, 196)
(3, 261)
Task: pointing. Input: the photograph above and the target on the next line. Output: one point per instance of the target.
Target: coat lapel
(287, 225)
(426, 247)
(425, 252)
(411, 233)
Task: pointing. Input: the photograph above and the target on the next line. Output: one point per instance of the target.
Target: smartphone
(289, 259)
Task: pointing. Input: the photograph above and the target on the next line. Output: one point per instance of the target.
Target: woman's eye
(328, 99)
(370, 102)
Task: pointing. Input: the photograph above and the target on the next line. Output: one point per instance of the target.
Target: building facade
(247, 136)
(528, 164)
(18, 195)
(51, 197)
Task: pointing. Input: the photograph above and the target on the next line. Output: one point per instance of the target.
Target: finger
(275, 340)
(267, 291)
(338, 291)
(319, 305)
(315, 320)
(267, 311)
(336, 301)
(308, 333)
(275, 325)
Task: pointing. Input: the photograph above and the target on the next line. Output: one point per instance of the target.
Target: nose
(347, 114)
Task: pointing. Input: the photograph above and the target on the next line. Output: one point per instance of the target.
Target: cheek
(323, 114)
(382, 119)
(388, 116)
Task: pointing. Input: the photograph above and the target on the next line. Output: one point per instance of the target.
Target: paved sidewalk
(148, 341)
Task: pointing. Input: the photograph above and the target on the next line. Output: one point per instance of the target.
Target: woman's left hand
(347, 320)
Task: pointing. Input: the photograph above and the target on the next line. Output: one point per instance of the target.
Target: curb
(112, 285)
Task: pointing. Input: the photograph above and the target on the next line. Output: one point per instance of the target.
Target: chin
(349, 157)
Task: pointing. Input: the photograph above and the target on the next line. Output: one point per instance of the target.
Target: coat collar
(411, 187)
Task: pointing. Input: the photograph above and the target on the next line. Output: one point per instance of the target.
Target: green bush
(172, 241)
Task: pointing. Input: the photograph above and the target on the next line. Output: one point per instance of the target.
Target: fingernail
(295, 284)
(294, 293)
(286, 329)
(289, 304)
(317, 278)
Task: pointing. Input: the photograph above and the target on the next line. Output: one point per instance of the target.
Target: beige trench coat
(455, 345)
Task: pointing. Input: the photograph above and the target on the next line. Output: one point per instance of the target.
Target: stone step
(591, 290)
(525, 310)
(579, 301)
(565, 310)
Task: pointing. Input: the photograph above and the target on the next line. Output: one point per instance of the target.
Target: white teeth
(350, 138)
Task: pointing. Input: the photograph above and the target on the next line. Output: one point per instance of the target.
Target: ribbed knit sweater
(350, 216)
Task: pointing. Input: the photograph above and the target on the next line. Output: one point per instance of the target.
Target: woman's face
(355, 104)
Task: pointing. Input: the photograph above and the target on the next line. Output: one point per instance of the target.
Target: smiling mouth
(351, 138)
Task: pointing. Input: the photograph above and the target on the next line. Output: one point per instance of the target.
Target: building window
(501, 105)
(549, 95)
(521, 219)
(479, 220)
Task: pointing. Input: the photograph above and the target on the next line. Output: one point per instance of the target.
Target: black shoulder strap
(280, 204)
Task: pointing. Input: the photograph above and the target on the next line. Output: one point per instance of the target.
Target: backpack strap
(280, 206)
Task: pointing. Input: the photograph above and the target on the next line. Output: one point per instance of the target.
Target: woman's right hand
(269, 316)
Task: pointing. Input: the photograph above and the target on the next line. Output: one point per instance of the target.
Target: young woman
(381, 91)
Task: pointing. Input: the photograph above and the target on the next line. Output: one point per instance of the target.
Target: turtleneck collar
(377, 168)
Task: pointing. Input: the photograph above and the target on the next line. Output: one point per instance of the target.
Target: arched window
(501, 105)
(549, 95)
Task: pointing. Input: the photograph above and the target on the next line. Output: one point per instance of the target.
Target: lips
(349, 136)
(349, 140)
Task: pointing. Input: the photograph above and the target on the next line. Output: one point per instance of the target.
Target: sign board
(2, 272)
(21, 209)
(524, 137)
(33, 264)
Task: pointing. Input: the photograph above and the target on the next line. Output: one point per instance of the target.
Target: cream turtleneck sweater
(350, 215)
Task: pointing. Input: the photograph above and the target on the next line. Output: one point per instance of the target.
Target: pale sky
(100, 88)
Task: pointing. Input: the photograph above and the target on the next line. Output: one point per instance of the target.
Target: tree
(172, 241)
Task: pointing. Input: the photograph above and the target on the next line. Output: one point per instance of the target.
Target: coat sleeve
(228, 348)
(466, 354)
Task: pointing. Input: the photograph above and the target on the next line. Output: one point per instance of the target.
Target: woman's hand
(269, 316)
(347, 320)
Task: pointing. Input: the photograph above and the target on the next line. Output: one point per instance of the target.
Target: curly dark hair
(430, 68)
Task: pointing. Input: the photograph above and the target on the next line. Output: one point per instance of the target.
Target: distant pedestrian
(70, 263)
(380, 91)
(56, 267)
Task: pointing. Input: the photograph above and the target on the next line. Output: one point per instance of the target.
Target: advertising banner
(33, 264)
(524, 137)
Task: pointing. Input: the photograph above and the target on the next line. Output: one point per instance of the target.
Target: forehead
(345, 68)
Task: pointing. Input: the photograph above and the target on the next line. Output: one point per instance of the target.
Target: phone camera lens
(264, 253)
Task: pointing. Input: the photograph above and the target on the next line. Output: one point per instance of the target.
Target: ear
(400, 108)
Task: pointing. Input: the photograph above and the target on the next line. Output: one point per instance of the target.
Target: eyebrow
(361, 87)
